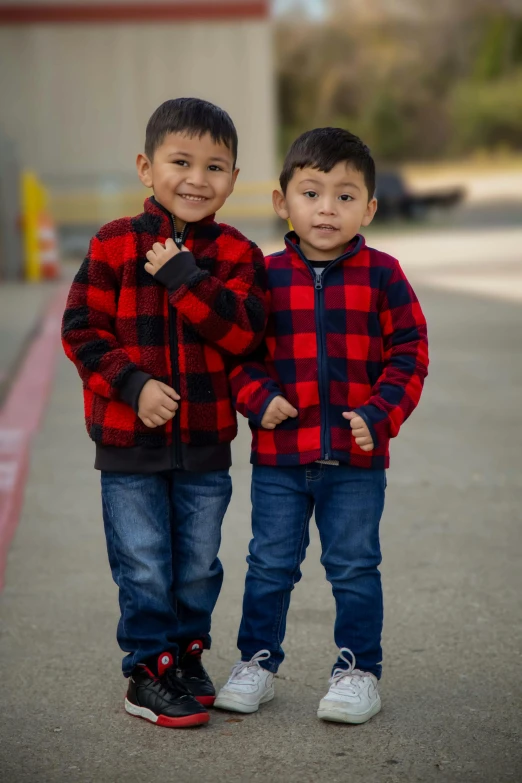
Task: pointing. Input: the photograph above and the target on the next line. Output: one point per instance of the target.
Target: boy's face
(191, 177)
(326, 209)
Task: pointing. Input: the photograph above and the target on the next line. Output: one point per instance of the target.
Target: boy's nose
(197, 178)
(327, 207)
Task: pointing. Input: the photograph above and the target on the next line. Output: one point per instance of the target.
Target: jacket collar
(154, 208)
(352, 248)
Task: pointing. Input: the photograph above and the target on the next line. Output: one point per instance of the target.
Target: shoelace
(172, 683)
(350, 677)
(243, 669)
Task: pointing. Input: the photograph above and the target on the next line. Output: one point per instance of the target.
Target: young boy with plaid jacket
(159, 308)
(341, 368)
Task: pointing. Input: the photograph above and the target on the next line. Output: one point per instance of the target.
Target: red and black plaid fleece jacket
(117, 327)
(353, 339)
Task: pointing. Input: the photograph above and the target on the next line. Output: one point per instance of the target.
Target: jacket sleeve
(88, 332)
(252, 387)
(232, 314)
(398, 389)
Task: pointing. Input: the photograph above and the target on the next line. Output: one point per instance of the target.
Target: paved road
(451, 690)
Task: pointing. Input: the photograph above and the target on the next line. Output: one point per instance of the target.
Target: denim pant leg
(136, 514)
(199, 503)
(281, 511)
(349, 505)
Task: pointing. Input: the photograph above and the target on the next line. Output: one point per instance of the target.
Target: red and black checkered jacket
(122, 327)
(352, 339)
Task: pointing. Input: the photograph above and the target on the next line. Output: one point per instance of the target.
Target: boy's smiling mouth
(325, 227)
(189, 197)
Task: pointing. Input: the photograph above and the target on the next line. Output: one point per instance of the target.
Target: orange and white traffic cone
(48, 247)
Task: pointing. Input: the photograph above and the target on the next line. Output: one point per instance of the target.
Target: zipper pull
(318, 282)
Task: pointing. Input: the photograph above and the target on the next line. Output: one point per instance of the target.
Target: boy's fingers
(286, 408)
(148, 423)
(157, 247)
(356, 421)
(170, 404)
(363, 440)
(166, 413)
(365, 445)
(169, 390)
(278, 411)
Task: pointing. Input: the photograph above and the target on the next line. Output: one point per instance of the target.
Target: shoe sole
(340, 715)
(232, 705)
(187, 721)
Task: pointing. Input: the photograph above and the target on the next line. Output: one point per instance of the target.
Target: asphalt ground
(452, 548)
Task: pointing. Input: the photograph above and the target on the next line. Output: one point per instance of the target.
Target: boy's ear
(279, 204)
(371, 209)
(144, 168)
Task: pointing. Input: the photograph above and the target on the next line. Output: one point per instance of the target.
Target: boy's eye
(181, 162)
(310, 194)
(213, 167)
(346, 197)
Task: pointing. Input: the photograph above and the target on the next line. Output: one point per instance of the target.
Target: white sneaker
(353, 696)
(248, 686)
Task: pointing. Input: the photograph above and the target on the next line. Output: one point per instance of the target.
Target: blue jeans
(163, 534)
(348, 506)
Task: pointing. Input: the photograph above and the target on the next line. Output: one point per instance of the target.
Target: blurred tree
(414, 79)
(493, 57)
(488, 115)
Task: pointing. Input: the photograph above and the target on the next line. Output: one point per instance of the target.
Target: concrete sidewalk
(21, 308)
(452, 546)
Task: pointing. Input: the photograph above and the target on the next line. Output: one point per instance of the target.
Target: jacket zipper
(177, 460)
(322, 364)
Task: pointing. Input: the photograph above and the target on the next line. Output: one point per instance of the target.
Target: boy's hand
(157, 403)
(160, 254)
(277, 411)
(360, 431)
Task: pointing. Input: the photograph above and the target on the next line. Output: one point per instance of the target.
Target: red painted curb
(21, 416)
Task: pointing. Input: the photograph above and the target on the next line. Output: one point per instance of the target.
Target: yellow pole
(33, 201)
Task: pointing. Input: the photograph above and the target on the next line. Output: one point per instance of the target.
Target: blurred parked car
(397, 200)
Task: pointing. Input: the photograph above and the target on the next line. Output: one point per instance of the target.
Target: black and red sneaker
(157, 694)
(194, 676)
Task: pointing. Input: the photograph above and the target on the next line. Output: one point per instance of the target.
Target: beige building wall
(77, 97)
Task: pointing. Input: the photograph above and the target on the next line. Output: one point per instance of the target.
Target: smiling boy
(159, 306)
(342, 367)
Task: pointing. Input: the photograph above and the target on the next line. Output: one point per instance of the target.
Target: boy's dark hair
(324, 148)
(194, 117)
